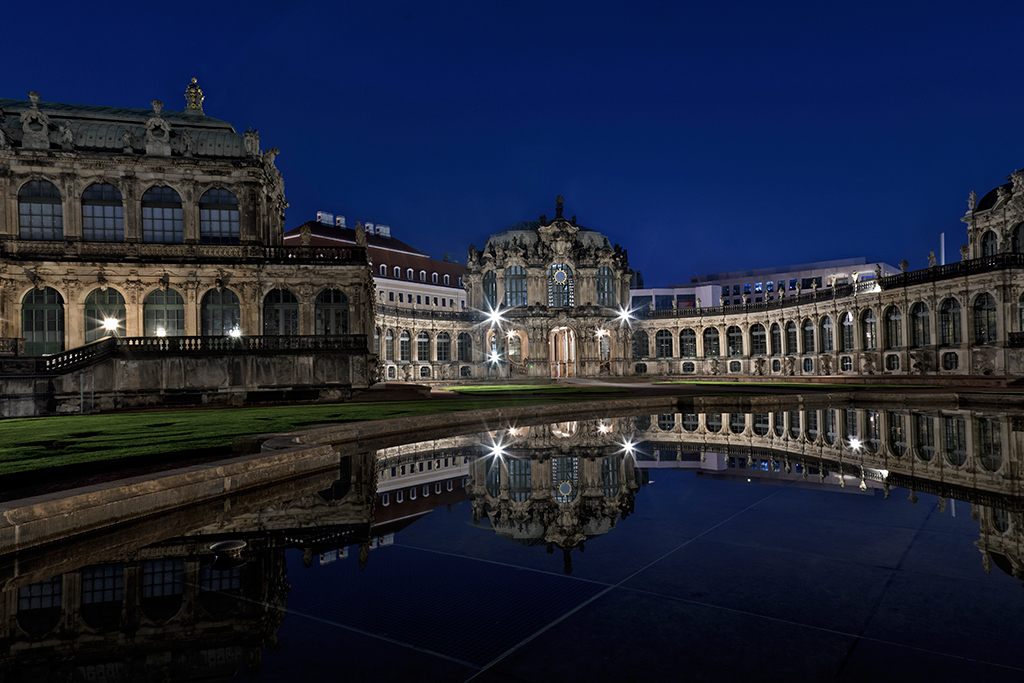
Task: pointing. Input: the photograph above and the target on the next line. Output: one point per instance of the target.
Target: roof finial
(559, 200)
(194, 97)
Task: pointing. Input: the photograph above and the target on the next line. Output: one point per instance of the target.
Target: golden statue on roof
(194, 97)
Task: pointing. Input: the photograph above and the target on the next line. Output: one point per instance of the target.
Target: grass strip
(38, 443)
(534, 389)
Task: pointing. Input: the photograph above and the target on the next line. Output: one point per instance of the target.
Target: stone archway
(562, 352)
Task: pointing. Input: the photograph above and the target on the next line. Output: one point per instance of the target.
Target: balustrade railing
(134, 251)
(430, 314)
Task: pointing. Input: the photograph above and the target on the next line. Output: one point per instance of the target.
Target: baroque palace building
(159, 229)
(157, 238)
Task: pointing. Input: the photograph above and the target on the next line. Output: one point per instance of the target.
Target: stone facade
(151, 223)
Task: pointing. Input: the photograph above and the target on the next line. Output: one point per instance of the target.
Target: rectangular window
(401, 298)
(746, 288)
(792, 284)
(758, 286)
(435, 300)
(391, 296)
(444, 303)
(770, 287)
(418, 299)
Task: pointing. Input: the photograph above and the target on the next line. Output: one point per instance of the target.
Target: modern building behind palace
(124, 226)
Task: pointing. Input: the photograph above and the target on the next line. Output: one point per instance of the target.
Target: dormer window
(398, 272)
(447, 280)
(423, 276)
(383, 270)
(409, 274)
(433, 278)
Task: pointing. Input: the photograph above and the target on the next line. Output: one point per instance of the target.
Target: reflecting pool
(804, 543)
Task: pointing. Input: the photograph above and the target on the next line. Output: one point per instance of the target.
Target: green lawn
(534, 389)
(803, 386)
(73, 440)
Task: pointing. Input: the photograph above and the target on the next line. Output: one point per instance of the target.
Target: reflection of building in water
(554, 485)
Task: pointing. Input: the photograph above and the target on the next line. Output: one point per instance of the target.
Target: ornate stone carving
(35, 126)
(972, 201)
(67, 137)
(186, 144)
(252, 142)
(158, 132)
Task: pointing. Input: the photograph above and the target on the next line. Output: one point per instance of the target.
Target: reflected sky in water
(565, 558)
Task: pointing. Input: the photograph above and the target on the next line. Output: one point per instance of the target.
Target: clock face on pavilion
(560, 276)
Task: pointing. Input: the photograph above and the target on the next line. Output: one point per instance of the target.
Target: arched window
(761, 424)
(423, 347)
(102, 214)
(162, 220)
(828, 418)
(985, 320)
(949, 322)
(955, 440)
(102, 594)
(404, 347)
(331, 312)
(218, 217)
(711, 349)
(40, 212)
(827, 342)
(808, 330)
(737, 422)
(610, 481)
(791, 348)
(605, 287)
(515, 286)
(893, 328)
(515, 348)
(666, 422)
(869, 330)
(811, 425)
(163, 314)
(794, 424)
(734, 341)
(641, 345)
(561, 290)
(433, 278)
(376, 341)
(924, 437)
(410, 274)
(491, 289)
(104, 314)
(464, 347)
(42, 321)
(776, 340)
(39, 605)
(920, 335)
(688, 343)
(220, 313)
(713, 422)
(447, 279)
(443, 347)
(280, 313)
(389, 345)
(383, 270)
(423, 276)
(989, 244)
(397, 272)
(758, 341)
(846, 341)
(897, 435)
(1018, 238)
(872, 421)
(663, 344)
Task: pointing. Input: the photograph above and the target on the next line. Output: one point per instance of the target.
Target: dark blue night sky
(702, 137)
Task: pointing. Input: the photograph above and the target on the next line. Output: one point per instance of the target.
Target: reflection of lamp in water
(228, 554)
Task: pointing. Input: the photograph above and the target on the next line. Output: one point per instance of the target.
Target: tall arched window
(104, 309)
(423, 347)
(869, 330)
(561, 290)
(163, 314)
(808, 330)
(218, 217)
(40, 212)
(989, 244)
(515, 348)
(604, 347)
(711, 349)
(280, 313)
(1018, 238)
(331, 312)
(376, 341)
(464, 347)
(641, 345)
(893, 328)
(515, 286)
(758, 341)
(605, 287)
(920, 335)
(776, 340)
(389, 345)
(443, 346)
(985, 319)
(162, 216)
(989, 443)
(949, 322)
(663, 344)
(102, 214)
(42, 321)
(791, 339)
(954, 440)
(220, 313)
(846, 341)
(688, 343)
(827, 342)
(734, 341)
(491, 289)
(924, 437)
(404, 347)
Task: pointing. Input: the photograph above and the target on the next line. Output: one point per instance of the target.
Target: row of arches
(399, 346)
(882, 433)
(41, 214)
(163, 315)
(863, 332)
